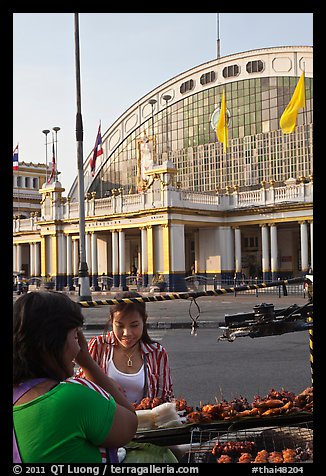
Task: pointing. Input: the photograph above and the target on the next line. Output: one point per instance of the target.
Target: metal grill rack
(297, 437)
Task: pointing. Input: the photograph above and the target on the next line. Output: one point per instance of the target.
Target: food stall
(275, 428)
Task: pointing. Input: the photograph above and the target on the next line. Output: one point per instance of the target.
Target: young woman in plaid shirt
(128, 355)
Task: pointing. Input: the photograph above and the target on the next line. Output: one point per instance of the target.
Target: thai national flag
(98, 150)
(15, 158)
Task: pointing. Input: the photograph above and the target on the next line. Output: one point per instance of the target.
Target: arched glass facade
(257, 152)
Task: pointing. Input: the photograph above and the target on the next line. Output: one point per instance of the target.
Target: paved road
(204, 368)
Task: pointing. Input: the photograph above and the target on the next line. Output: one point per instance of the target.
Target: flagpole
(218, 45)
(56, 129)
(83, 281)
(305, 123)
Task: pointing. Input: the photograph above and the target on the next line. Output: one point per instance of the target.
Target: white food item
(145, 420)
(171, 424)
(162, 416)
(165, 413)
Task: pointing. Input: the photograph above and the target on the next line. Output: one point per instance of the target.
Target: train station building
(167, 201)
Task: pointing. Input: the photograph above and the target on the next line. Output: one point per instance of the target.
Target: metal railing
(197, 283)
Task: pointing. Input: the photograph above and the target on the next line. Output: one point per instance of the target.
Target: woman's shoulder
(89, 384)
(153, 347)
(99, 341)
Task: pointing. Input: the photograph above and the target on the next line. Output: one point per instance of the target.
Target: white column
(19, 257)
(143, 239)
(122, 252)
(274, 250)
(88, 252)
(31, 260)
(94, 253)
(177, 248)
(115, 253)
(59, 245)
(265, 249)
(14, 258)
(227, 251)
(175, 256)
(69, 255)
(304, 246)
(76, 257)
(37, 251)
(197, 251)
(311, 245)
(237, 246)
(63, 249)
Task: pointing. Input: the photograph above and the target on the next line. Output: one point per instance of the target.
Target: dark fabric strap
(18, 392)
(112, 455)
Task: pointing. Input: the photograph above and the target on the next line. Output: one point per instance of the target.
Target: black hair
(126, 308)
(41, 322)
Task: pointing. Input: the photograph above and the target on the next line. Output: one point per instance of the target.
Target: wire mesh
(208, 446)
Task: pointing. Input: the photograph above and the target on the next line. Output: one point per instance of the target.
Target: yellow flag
(222, 125)
(289, 117)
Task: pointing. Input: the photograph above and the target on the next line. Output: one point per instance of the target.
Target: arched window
(230, 71)
(187, 86)
(207, 77)
(255, 66)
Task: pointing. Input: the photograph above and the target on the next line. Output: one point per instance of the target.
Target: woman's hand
(83, 356)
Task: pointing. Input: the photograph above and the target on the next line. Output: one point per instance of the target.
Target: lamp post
(152, 102)
(83, 277)
(56, 129)
(46, 132)
(167, 98)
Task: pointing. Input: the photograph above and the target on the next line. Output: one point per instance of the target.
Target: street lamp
(167, 98)
(83, 276)
(56, 129)
(46, 132)
(152, 102)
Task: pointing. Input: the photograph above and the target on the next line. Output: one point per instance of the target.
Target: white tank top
(133, 384)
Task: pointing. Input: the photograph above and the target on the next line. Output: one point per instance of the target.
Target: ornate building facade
(168, 201)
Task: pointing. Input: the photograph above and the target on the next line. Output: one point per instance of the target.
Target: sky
(123, 56)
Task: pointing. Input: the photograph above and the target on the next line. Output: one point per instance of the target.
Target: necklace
(130, 362)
